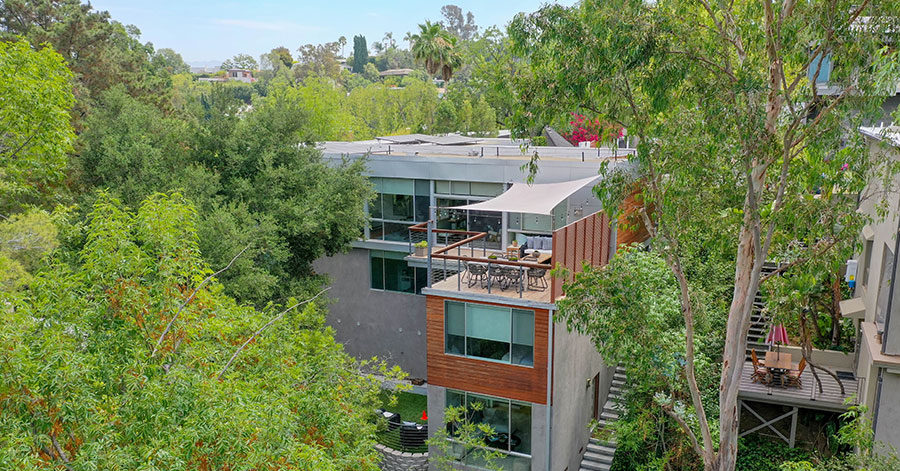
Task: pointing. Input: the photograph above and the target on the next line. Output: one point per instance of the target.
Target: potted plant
(421, 247)
(492, 256)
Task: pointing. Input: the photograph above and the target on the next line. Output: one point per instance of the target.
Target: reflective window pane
(520, 428)
(455, 327)
(377, 270)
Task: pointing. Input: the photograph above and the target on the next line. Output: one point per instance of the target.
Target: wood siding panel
(486, 377)
(585, 240)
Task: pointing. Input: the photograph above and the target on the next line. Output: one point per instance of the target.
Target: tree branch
(191, 297)
(274, 319)
(684, 426)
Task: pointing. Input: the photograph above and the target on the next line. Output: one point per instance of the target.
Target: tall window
(399, 203)
(454, 193)
(489, 332)
(390, 272)
(867, 260)
(510, 421)
(884, 287)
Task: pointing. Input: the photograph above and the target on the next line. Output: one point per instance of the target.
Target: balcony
(462, 262)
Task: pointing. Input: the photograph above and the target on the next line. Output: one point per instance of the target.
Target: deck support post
(769, 423)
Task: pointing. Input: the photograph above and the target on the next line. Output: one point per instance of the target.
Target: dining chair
(793, 377)
(760, 374)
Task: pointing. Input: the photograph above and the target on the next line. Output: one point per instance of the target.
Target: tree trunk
(748, 265)
(836, 312)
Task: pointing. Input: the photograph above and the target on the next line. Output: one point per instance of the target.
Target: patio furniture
(778, 365)
(536, 278)
(496, 277)
(392, 418)
(792, 378)
(477, 272)
(760, 373)
(512, 276)
(413, 435)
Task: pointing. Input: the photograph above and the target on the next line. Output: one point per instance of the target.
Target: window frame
(512, 333)
(509, 403)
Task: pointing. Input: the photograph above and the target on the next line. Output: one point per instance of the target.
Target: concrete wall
(832, 359)
(889, 410)
(576, 361)
(371, 322)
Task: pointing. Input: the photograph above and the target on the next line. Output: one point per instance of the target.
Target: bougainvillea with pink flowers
(584, 129)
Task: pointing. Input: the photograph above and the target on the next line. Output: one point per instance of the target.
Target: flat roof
(477, 148)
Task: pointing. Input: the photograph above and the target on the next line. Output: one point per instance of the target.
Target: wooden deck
(807, 397)
(453, 283)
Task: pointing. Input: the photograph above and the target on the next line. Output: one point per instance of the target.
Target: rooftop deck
(807, 397)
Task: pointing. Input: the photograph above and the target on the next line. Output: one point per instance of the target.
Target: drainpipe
(549, 385)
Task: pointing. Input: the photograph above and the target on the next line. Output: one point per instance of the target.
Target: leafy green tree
(463, 27)
(360, 54)
(379, 110)
(170, 61)
(317, 60)
(436, 49)
(130, 356)
(370, 72)
(731, 133)
(24, 239)
(100, 52)
(35, 129)
(461, 436)
(240, 61)
(251, 173)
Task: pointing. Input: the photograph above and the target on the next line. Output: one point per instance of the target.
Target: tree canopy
(119, 356)
(35, 129)
(738, 152)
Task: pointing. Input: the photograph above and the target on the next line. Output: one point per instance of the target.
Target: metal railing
(466, 241)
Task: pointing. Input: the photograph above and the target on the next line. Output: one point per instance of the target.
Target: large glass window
(390, 272)
(489, 332)
(510, 421)
(398, 204)
(456, 193)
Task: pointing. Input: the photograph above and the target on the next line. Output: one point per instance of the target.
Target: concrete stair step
(607, 443)
(609, 416)
(601, 449)
(594, 467)
(597, 457)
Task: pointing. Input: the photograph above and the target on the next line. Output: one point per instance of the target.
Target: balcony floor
(452, 283)
(808, 397)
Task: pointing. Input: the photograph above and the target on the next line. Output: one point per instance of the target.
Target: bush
(757, 453)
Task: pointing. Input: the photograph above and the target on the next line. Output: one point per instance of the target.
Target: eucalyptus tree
(746, 138)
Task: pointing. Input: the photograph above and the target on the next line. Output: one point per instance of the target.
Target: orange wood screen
(486, 377)
(585, 240)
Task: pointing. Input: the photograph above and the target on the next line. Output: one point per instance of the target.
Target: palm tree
(435, 48)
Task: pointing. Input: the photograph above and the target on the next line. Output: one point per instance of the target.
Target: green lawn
(408, 405)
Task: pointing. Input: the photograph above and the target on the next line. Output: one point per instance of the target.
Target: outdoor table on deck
(778, 365)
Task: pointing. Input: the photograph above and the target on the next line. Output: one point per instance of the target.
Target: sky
(206, 30)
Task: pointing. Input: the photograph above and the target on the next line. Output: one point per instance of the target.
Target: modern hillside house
(876, 307)
(473, 312)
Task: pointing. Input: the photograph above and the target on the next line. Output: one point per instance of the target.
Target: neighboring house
(494, 343)
(876, 307)
(239, 75)
(395, 73)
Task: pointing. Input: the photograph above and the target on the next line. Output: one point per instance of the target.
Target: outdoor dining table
(778, 365)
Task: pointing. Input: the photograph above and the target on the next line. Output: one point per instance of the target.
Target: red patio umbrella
(777, 336)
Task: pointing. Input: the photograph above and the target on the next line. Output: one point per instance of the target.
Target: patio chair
(512, 276)
(793, 377)
(760, 374)
(536, 278)
(477, 273)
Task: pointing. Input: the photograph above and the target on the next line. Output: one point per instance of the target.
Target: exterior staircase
(759, 322)
(599, 453)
